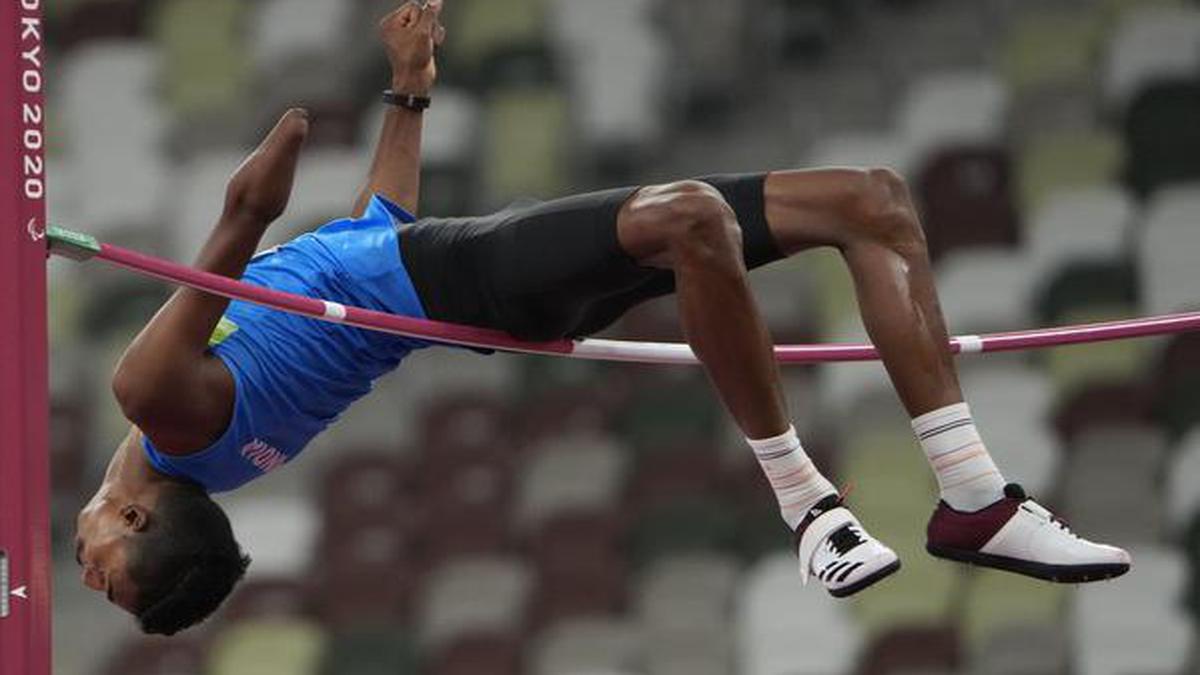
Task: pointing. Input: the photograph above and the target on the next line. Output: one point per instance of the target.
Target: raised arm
(167, 383)
(410, 35)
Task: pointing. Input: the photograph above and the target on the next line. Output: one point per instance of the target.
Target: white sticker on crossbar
(334, 310)
(970, 344)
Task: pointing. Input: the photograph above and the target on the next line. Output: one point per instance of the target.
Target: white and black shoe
(1016, 534)
(834, 548)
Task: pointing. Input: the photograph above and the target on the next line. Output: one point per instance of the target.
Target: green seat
(382, 650)
(686, 525)
(893, 495)
(1049, 48)
(268, 647)
(995, 601)
(525, 151)
(205, 63)
(1076, 367)
(665, 412)
(482, 29)
(1051, 163)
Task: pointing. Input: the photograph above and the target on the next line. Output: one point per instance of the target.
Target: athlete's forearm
(396, 168)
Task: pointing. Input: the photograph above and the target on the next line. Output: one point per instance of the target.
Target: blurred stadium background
(510, 515)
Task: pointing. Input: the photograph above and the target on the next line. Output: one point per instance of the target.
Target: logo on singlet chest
(263, 456)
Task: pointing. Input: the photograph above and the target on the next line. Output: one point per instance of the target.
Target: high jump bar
(83, 247)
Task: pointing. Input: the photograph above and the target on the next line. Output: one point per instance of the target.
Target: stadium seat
(525, 145)
(780, 624)
(365, 574)
(1023, 649)
(1079, 225)
(480, 594)
(1169, 231)
(685, 525)
(379, 650)
(580, 566)
(1107, 619)
(984, 290)
(1060, 159)
(156, 656)
(879, 149)
(966, 195)
(687, 598)
(998, 603)
(477, 654)
(561, 475)
(266, 599)
(97, 20)
(912, 648)
(1183, 484)
(1050, 47)
(1087, 287)
(280, 533)
(204, 53)
(667, 409)
(664, 474)
(268, 647)
(362, 486)
(1009, 406)
(1176, 383)
(1151, 45)
(485, 30)
(590, 645)
(1082, 366)
(966, 108)
(284, 29)
(1116, 402)
(1163, 144)
(1111, 484)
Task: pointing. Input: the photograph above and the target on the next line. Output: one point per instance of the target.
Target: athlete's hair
(185, 563)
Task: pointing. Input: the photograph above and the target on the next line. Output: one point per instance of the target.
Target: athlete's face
(105, 529)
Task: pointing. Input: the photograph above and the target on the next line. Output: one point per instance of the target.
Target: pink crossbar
(619, 350)
(24, 406)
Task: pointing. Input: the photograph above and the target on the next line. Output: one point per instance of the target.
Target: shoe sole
(862, 584)
(1060, 574)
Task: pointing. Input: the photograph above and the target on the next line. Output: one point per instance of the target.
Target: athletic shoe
(1016, 534)
(833, 547)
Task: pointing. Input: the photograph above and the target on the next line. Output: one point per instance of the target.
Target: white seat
(953, 108)
(451, 134)
(285, 28)
(1089, 223)
(618, 86)
(1183, 484)
(475, 594)
(1112, 489)
(587, 646)
(1156, 43)
(1170, 282)
(985, 289)
(1134, 625)
(279, 533)
(861, 150)
(107, 98)
(782, 624)
(584, 472)
(687, 593)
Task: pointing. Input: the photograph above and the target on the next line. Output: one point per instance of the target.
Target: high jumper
(220, 393)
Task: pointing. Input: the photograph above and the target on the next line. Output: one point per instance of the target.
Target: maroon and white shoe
(834, 547)
(1016, 534)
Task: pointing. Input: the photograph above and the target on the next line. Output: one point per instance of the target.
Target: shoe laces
(845, 539)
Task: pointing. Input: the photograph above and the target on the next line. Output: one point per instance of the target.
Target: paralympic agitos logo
(32, 87)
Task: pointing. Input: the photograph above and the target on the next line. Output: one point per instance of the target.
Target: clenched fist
(410, 35)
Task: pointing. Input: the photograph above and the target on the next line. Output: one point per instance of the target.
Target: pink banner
(24, 458)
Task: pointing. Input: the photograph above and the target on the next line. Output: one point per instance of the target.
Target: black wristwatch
(407, 101)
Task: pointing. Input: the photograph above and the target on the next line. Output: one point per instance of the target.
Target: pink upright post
(24, 456)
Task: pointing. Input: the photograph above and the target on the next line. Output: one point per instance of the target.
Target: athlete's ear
(135, 517)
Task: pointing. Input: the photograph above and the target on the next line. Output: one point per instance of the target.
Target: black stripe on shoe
(842, 577)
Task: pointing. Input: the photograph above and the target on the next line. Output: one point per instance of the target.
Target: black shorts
(550, 270)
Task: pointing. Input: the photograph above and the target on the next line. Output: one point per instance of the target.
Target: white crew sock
(797, 483)
(966, 474)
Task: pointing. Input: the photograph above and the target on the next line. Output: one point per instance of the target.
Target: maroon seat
(69, 420)
(364, 487)
(563, 411)
(580, 566)
(473, 655)
(966, 200)
(910, 649)
(256, 599)
(665, 473)
(1100, 404)
(99, 20)
(365, 575)
(179, 655)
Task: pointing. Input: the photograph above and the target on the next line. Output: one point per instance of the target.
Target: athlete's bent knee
(695, 214)
(882, 212)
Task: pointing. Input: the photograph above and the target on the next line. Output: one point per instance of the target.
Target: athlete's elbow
(133, 396)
